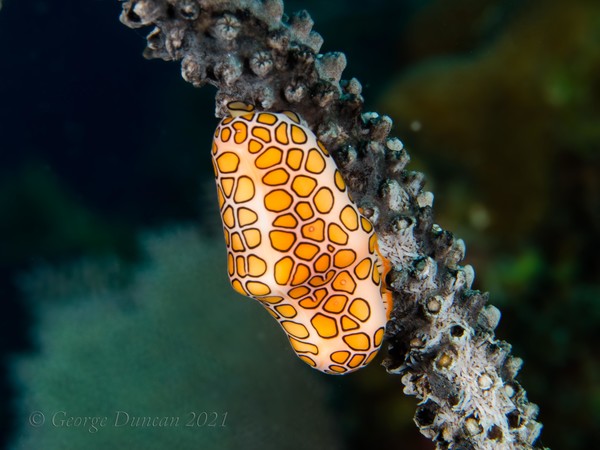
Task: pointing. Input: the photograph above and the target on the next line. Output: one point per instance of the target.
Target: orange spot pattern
(296, 242)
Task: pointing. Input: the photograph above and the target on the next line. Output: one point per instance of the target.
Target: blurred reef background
(498, 102)
(159, 345)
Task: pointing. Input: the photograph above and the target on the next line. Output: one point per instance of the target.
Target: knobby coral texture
(441, 333)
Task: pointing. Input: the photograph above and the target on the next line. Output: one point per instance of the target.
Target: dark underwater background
(107, 209)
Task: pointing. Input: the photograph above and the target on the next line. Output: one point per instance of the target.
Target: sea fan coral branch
(441, 333)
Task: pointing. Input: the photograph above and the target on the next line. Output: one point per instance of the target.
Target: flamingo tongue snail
(295, 240)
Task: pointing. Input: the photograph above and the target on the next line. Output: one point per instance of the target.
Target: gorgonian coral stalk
(441, 333)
